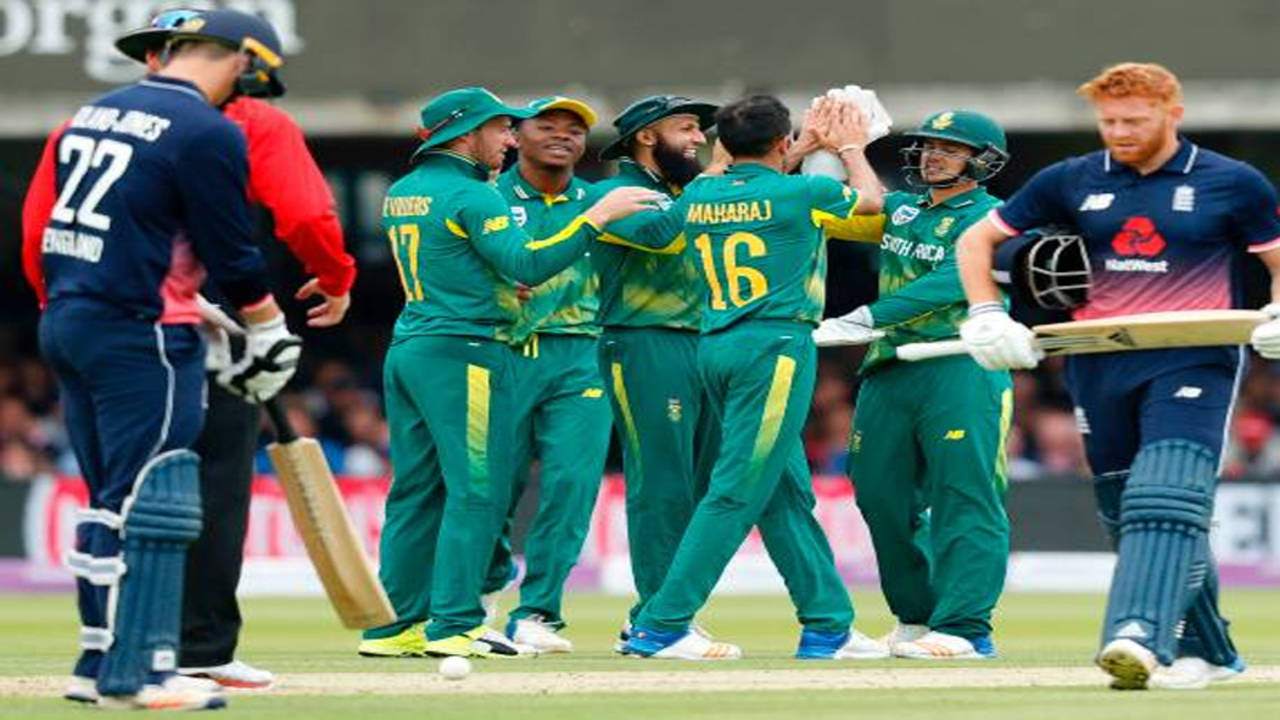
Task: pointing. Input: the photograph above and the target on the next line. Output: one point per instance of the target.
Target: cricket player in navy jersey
(1165, 222)
(151, 191)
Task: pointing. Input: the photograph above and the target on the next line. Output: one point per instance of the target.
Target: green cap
(962, 126)
(457, 112)
(646, 111)
(560, 102)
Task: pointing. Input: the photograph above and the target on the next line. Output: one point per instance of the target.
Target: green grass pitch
(1041, 633)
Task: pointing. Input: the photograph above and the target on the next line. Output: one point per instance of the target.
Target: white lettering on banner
(63, 27)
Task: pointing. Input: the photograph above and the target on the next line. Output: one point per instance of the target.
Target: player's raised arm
(486, 220)
(654, 230)
(845, 134)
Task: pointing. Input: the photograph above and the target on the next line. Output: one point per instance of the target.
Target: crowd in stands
(340, 405)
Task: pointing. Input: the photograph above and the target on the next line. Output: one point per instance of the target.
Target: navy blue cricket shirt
(150, 180)
(1168, 240)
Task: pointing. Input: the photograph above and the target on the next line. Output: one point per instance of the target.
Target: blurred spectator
(340, 407)
(369, 451)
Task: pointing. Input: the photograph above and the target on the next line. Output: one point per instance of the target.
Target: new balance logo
(954, 435)
(1189, 392)
(1097, 201)
(1132, 630)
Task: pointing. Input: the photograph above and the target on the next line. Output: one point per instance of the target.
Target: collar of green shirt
(955, 202)
(457, 162)
(752, 168)
(576, 191)
(644, 177)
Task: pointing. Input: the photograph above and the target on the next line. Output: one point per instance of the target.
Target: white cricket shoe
(537, 633)
(620, 644)
(235, 674)
(493, 638)
(862, 647)
(935, 645)
(689, 645)
(1128, 663)
(85, 689)
(904, 632)
(1193, 673)
(848, 645)
(176, 693)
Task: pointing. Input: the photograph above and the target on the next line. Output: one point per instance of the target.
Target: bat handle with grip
(911, 352)
(284, 429)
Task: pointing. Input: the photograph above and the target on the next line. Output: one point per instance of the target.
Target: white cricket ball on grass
(455, 668)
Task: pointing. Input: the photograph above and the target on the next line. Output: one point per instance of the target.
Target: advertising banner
(1248, 551)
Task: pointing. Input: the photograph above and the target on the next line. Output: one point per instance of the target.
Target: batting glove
(856, 328)
(270, 358)
(997, 341)
(1266, 337)
(216, 328)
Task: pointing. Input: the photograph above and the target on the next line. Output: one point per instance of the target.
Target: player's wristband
(983, 308)
(846, 148)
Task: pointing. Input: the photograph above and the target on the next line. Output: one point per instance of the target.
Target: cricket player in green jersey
(927, 451)
(449, 375)
(563, 415)
(650, 308)
(758, 236)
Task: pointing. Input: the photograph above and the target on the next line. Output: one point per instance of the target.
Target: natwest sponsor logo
(1136, 241)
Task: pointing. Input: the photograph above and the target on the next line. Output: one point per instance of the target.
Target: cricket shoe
(411, 642)
(904, 632)
(847, 645)
(85, 689)
(619, 645)
(235, 675)
(1193, 673)
(1129, 664)
(480, 641)
(538, 634)
(175, 693)
(687, 645)
(935, 645)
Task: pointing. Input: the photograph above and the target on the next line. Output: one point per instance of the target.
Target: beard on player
(678, 165)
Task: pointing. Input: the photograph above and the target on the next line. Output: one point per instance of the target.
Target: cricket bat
(1148, 331)
(326, 529)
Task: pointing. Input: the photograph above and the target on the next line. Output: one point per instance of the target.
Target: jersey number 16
(736, 276)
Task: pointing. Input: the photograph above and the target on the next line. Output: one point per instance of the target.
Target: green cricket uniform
(758, 237)
(563, 417)
(927, 452)
(451, 384)
(650, 306)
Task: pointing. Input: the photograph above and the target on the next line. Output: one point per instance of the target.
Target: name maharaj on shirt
(735, 212)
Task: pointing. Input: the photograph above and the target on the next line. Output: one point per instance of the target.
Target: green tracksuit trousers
(451, 411)
(669, 439)
(564, 421)
(928, 464)
(759, 377)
